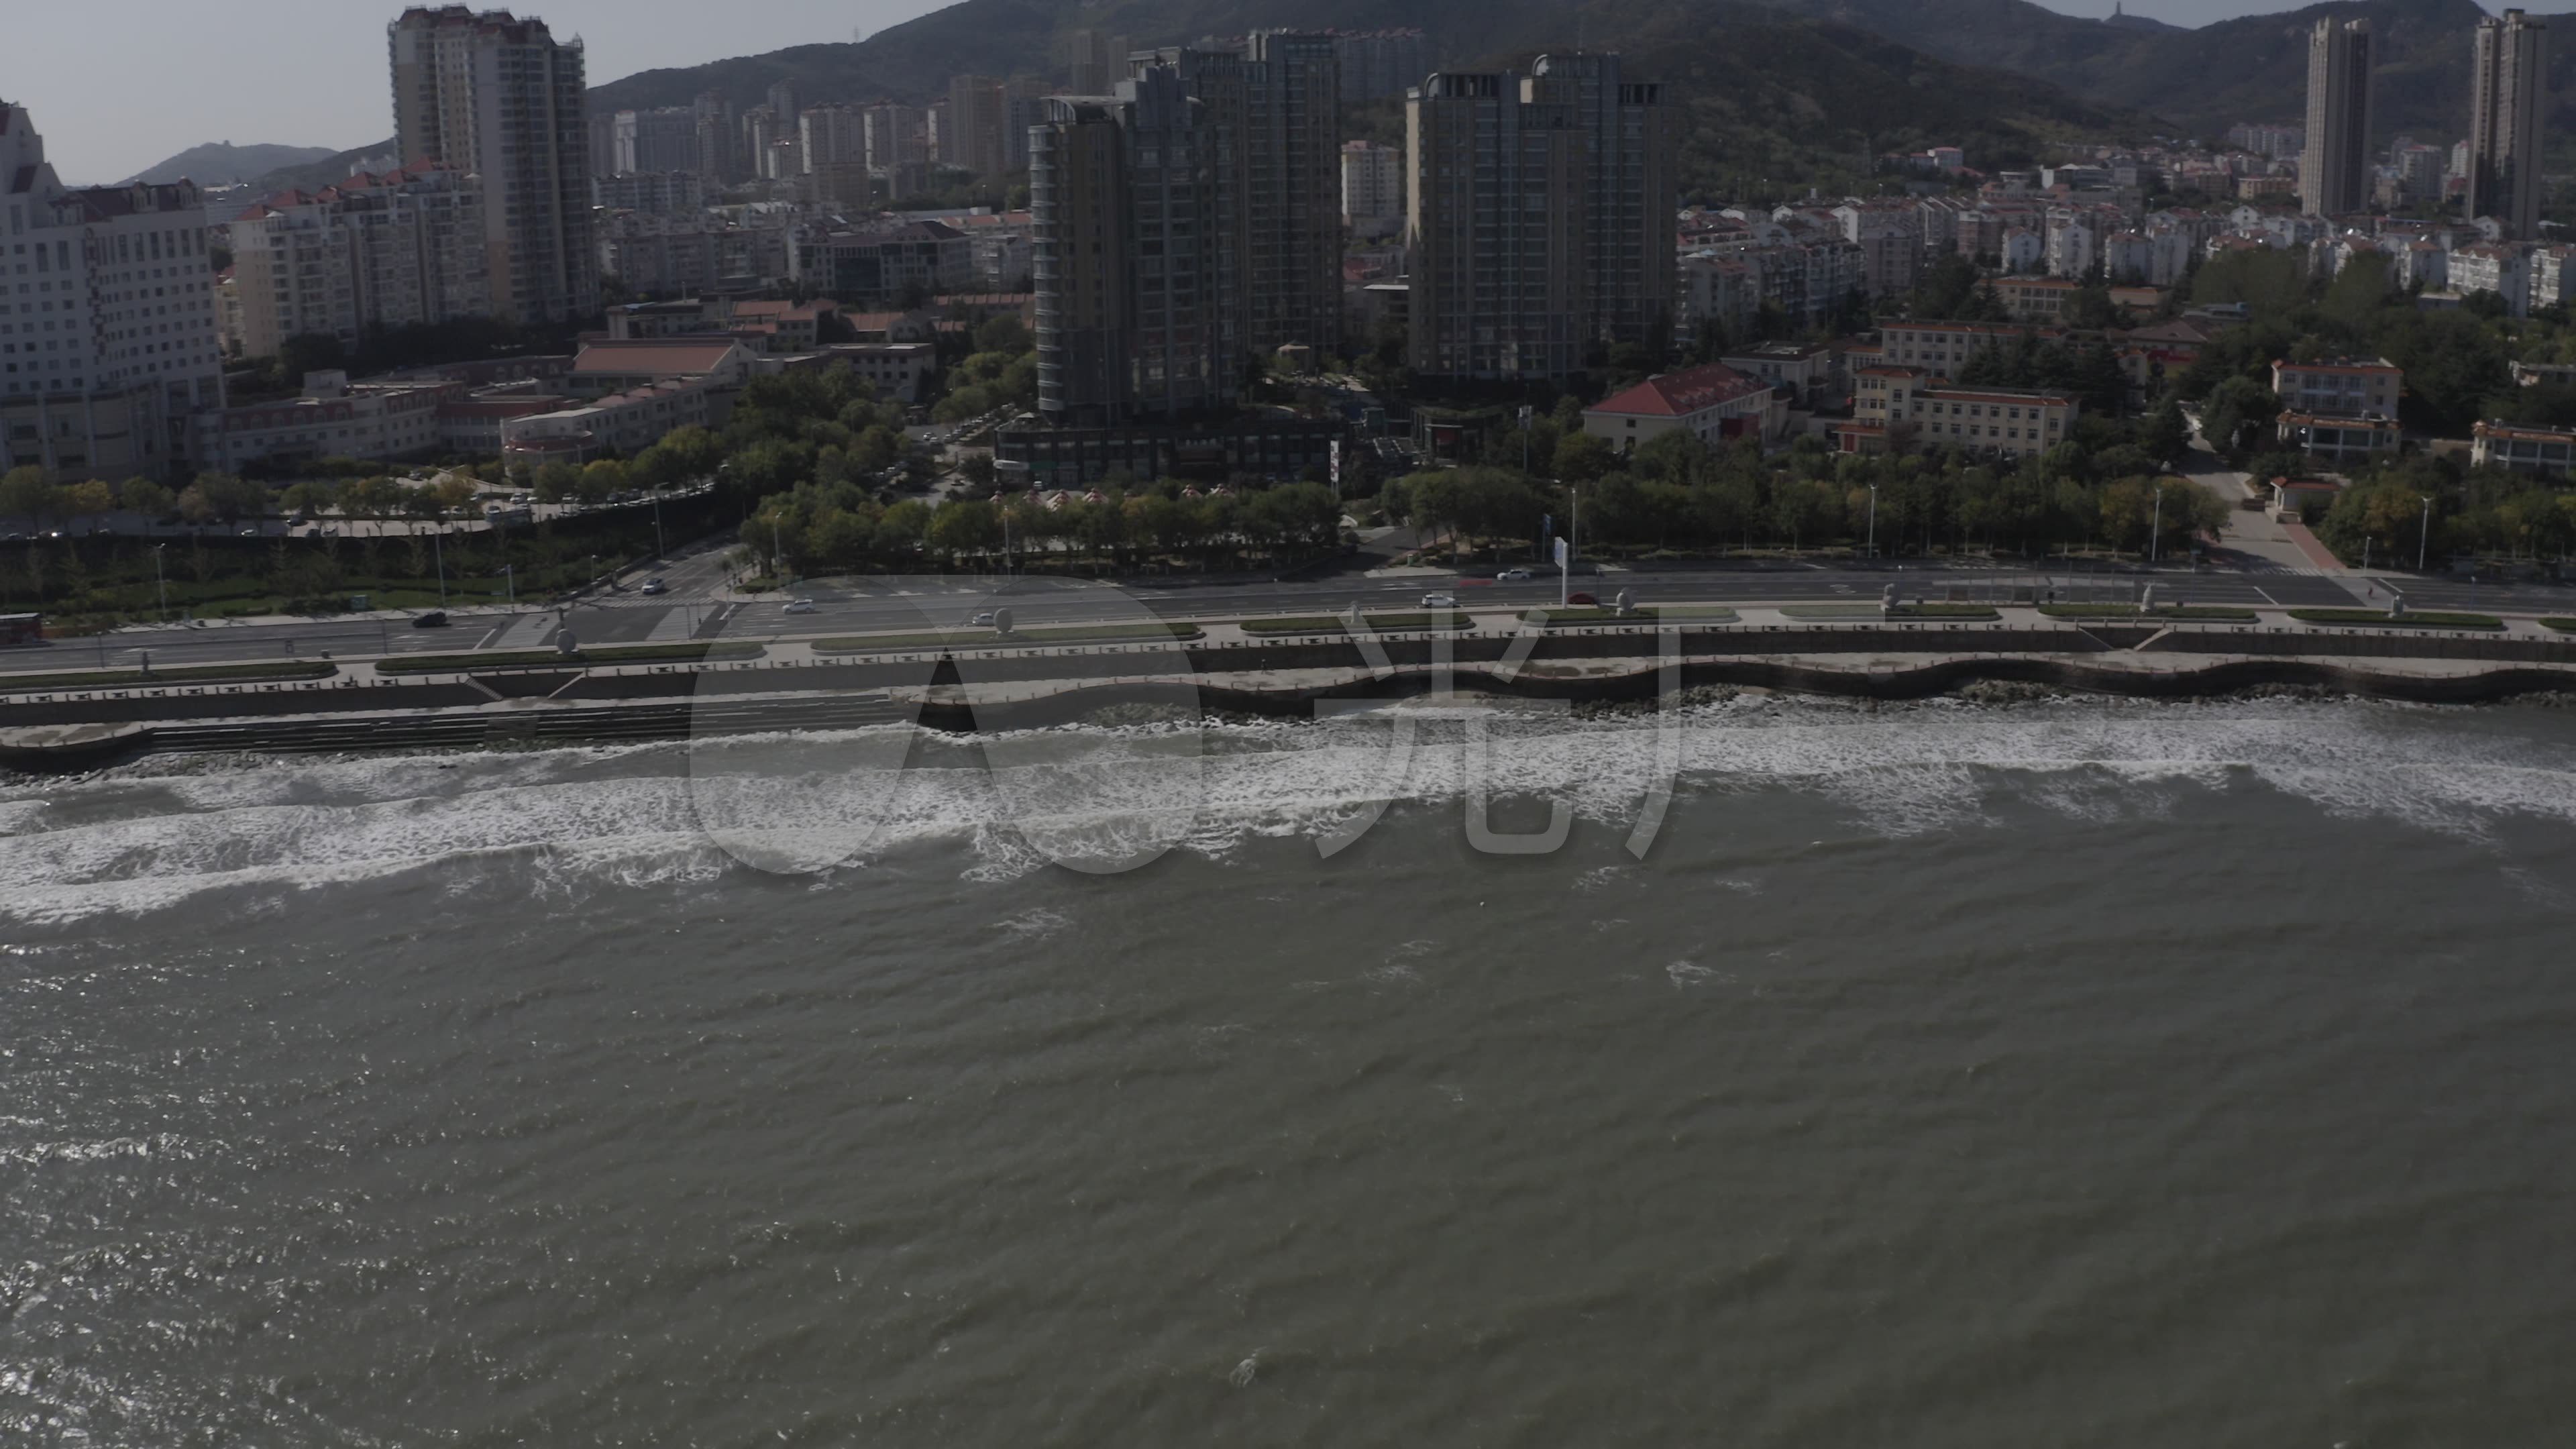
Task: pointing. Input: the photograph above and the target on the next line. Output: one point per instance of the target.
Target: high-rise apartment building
(499, 98)
(2508, 91)
(1382, 64)
(2334, 174)
(1372, 189)
(1540, 218)
(108, 320)
(896, 136)
(978, 117)
(830, 135)
(665, 139)
(1094, 61)
(719, 139)
(1185, 226)
(373, 251)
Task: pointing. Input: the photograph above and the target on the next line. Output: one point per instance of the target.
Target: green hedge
(1335, 624)
(986, 638)
(2130, 611)
(545, 658)
(197, 674)
(2563, 626)
(2374, 618)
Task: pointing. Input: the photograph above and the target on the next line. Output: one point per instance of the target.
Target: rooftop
(1679, 394)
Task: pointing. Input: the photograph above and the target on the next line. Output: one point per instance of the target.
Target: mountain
(2253, 68)
(2127, 21)
(221, 163)
(1773, 96)
(326, 167)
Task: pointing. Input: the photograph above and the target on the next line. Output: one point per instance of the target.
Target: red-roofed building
(1714, 403)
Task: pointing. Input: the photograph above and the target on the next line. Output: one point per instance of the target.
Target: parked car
(1439, 601)
(800, 606)
(656, 586)
(434, 619)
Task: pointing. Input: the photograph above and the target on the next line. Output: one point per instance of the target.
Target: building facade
(2335, 172)
(1715, 404)
(500, 98)
(396, 250)
(2508, 94)
(1540, 218)
(1901, 408)
(109, 325)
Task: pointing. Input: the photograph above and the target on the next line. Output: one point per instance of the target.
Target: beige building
(2543, 452)
(497, 97)
(1902, 408)
(1372, 189)
(2350, 387)
(333, 419)
(1715, 404)
(1540, 217)
(386, 251)
(108, 325)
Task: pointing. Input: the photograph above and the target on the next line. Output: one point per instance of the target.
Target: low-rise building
(2340, 387)
(2340, 437)
(898, 370)
(2036, 299)
(607, 366)
(624, 422)
(2540, 452)
(1805, 368)
(1715, 404)
(1902, 408)
(334, 418)
(2500, 267)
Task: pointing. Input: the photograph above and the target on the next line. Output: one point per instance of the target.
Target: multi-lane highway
(692, 607)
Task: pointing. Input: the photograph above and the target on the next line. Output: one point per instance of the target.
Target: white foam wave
(565, 821)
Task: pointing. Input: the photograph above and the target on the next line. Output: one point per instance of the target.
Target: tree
(1582, 457)
(602, 480)
(1003, 333)
(2165, 434)
(88, 499)
(24, 493)
(143, 496)
(308, 352)
(2239, 416)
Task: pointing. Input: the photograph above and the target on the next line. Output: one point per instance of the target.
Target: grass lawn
(2376, 619)
(986, 638)
(200, 674)
(541, 658)
(2130, 611)
(2563, 626)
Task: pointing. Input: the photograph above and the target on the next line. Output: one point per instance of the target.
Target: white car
(1439, 601)
(1512, 576)
(981, 621)
(800, 606)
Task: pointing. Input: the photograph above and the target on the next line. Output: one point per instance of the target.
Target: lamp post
(661, 549)
(2424, 547)
(158, 586)
(510, 580)
(1873, 521)
(2156, 530)
(438, 552)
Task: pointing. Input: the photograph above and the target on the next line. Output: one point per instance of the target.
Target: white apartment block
(2499, 267)
(625, 422)
(2071, 243)
(1372, 189)
(108, 319)
(395, 250)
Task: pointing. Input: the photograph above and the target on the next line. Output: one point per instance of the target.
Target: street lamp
(510, 578)
(2156, 530)
(2425, 546)
(661, 548)
(438, 552)
(1873, 521)
(158, 586)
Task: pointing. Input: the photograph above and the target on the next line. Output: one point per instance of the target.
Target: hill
(221, 163)
(1774, 97)
(2253, 68)
(329, 166)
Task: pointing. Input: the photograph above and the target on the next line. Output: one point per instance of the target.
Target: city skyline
(337, 47)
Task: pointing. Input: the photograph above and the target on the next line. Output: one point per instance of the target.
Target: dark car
(434, 619)
(1582, 601)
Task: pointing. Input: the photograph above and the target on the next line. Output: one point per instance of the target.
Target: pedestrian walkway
(526, 632)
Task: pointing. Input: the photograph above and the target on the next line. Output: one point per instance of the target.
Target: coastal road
(690, 610)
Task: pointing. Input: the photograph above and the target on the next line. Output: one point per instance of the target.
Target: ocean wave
(568, 820)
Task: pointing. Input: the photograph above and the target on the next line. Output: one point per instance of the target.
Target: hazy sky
(118, 85)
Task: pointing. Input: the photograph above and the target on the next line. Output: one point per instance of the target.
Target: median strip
(1375, 623)
(2160, 614)
(1898, 611)
(989, 638)
(195, 674)
(583, 659)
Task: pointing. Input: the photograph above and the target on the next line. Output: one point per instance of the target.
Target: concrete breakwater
(1027, 687)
